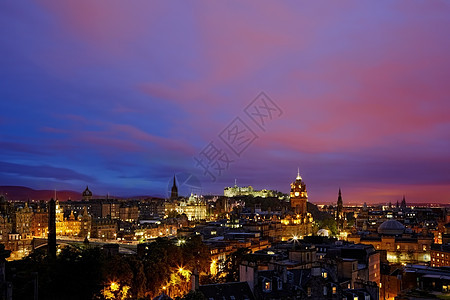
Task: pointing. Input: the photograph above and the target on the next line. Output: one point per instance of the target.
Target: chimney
(284, 274)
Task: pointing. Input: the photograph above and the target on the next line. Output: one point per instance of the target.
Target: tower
(52, 228)
(403, 205)
(87, 194)
(298, 196)
(174, 192)
(340, 212)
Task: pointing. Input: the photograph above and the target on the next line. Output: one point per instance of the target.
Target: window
(309, 291)
(398, 247)
(267, 286)
(324, 274)
(325, 290)
(334, 289)
(424, 247)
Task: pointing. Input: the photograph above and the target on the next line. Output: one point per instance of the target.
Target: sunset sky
(122, 95)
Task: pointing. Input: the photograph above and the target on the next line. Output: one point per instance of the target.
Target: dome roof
(392, 227)
(322, 232)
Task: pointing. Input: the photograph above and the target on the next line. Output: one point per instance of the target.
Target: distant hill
(21, 193)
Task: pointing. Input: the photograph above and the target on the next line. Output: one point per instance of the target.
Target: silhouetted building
(403, 205)
(87, 194)
(174, 192)
(340, 212)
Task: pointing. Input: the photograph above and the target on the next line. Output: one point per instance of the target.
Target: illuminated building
(59, 219)
(440, 255)
(85, 224)
(299, 196)
(39, 223)
(72, 226)
(21, 220)
(103, 228)
(128, 212)
(194, 208)
(401, 245)
(297, 223)
(5, 228)
(247, 191)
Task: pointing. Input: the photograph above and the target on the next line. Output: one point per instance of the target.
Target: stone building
(401, 245)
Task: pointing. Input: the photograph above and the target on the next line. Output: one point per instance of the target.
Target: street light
(114, 286)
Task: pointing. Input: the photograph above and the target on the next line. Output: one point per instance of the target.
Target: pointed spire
(339, 201)
(298, 174)
(174, 192)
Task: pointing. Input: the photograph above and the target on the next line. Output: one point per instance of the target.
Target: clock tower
(298, 196)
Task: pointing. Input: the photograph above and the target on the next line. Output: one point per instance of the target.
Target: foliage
(81, 273)
(328, 223)
(116, 291)
(75, 273)
(231, 267)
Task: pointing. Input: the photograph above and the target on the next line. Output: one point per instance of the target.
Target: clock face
(296, 194)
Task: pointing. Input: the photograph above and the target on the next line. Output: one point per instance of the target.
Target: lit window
(324, 274)
(334, 290)
(309, 291)
(398, 247)
(267, 286)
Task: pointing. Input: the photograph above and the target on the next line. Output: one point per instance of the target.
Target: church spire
(298, 175)
(174, 192)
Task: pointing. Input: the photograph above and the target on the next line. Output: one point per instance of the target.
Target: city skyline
(121, 98)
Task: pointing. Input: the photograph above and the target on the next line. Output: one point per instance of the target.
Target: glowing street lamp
(114, 286)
